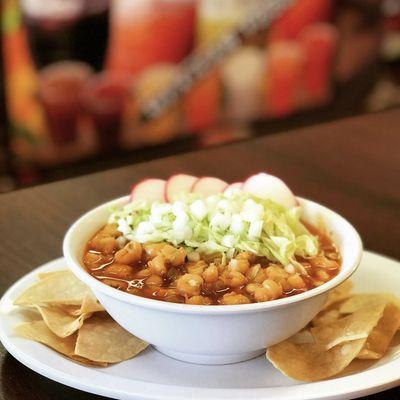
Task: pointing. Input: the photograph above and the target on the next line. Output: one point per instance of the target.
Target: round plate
(152, 375)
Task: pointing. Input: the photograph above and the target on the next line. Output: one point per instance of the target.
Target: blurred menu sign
(80, 74)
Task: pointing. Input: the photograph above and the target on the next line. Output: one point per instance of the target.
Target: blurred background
(88, 85)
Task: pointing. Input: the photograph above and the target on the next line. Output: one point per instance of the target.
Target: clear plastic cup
(103, 99)
(59, 91)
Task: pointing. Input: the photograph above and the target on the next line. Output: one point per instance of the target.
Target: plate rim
(370, 381)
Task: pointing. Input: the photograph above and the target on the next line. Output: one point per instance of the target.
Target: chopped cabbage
(225, 223)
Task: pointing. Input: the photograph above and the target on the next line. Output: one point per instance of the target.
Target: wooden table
(352, 166)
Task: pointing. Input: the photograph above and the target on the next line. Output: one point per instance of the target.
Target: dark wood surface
(352, 166)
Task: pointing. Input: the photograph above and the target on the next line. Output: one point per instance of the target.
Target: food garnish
(201, 241)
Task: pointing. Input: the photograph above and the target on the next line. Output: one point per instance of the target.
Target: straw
(203, 60)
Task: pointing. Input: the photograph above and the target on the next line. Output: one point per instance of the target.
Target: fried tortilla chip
(89, 305)
(59, 288)
(355, 326)
(101, 339)
(39, 332)
(366, 300)
(340, 293)
(44, 275)
(311, 362)
(89, 363)
(60, 321)
(379, 339)
(326, 317)
(355, 367)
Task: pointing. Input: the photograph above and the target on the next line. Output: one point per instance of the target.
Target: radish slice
(180, 183)
(209, 185)
(150, 190)
(233, 187)
(270, 187)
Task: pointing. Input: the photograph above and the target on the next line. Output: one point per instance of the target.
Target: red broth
(163, 272)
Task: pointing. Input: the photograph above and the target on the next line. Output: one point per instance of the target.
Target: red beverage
(319, 43)
(59, 90)
(146, 32)
(284, 66)
(103, 100)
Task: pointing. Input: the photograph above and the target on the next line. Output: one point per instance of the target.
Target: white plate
(152, 375)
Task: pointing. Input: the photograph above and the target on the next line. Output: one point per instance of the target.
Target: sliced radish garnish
(209, 185)
(270, 187)
(176, 184)
(233, 187)
(150, 190)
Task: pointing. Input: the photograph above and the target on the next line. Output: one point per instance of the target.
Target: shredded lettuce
(224, 223)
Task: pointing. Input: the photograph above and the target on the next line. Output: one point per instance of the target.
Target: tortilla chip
(101, 339)
(366, 300)
(355, 367)
(44, 275)
(326, 317)
(89, 305)
(355, 326)
(310, 362)
(39, 332)
(60, 321)
(60, 288)
(89, 363)
(381, 336)
(340, 293)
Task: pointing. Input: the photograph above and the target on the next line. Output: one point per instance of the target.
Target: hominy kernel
(274, 288)
(262, 294)
(104, 244)
(234, 279)
(120, 271)
(251, 287)
(189, 284)
(198, 300)
(210, 274)
(240, 265)
(322, 275)
(234, 298)
(253, 271)
(154, 280)
(157, 265)
(130, 254)
(144, 273)
(296, 281)
(246, 255)
(173, 255)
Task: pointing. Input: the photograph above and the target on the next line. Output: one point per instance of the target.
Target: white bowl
(213, 334)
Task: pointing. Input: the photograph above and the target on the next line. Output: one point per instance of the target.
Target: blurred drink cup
(103, 99)
(59, 90)
(66, 29)
(146, 32)
(285, 60)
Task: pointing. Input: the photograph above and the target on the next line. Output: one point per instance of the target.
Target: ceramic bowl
(213, 334)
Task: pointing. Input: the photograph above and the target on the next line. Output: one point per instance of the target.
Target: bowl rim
(96, 285)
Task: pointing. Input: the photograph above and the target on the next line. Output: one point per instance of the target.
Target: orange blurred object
(319, 43)
(283, 77)
(147, 87)
(202, 104)
(145, 32)
(301, 14)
